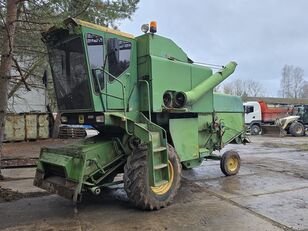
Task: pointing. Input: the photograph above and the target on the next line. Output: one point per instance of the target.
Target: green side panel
(165, 66)
(159, 46)
(55, 158)
(168, 75)
(227, 103)
(144, 67)
(96, 153)
(229, 109)
(205, 103)
(233, 125)
(71, 165)
(189, 164)
(204, 131)
(184, 133)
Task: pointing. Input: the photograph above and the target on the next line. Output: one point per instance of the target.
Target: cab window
(95, 46)
(119, 57)
(248, 109)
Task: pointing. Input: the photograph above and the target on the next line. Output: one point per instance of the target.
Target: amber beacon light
(153, 27)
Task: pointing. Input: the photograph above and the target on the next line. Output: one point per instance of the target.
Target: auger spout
(190, 97)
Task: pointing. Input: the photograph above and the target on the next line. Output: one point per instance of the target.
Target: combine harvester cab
(155, 111)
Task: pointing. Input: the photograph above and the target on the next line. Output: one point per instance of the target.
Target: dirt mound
(7, 195)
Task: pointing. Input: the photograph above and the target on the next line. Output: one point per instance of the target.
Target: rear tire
(255, 129)
(230, 163)
(136, 180)
(297, 129)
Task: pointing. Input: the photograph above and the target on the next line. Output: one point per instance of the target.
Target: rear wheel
(255, 129)
(297, 129)
(230, 163)
(136, 180)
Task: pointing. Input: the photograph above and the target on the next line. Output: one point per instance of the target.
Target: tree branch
(26, 76)
(21, 74)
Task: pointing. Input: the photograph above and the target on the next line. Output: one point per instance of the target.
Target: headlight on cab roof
(100, 119)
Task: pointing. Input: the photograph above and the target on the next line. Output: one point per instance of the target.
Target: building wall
(27, 101)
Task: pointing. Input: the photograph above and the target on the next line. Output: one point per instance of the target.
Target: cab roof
(79, 22)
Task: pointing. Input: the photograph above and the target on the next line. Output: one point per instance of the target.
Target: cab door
(119, 68)
(96, 56)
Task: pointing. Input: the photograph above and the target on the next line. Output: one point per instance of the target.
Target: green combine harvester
(155, 111)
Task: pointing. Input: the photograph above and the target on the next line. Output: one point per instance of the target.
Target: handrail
(148, 94)
(123, 96)
(122, 86)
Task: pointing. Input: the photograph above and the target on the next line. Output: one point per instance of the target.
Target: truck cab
(253, 117)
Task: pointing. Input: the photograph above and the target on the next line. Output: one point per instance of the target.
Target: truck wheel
(136, 180)
(297, 129)
(230, 163)
(255, 129)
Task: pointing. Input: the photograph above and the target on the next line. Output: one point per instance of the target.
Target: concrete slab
(21, 186)
(256, 184)
(211, 170)
(18, 173)
(114, 214)
(288, 208)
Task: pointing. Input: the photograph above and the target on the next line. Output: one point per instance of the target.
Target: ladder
(156, 139)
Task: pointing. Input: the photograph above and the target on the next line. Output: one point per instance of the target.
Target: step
(160, 166)
(156, 139)
(159, 149)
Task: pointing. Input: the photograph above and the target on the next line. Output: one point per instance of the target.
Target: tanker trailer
(154, 108)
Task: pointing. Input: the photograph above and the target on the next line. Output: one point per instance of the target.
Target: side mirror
(113, 50)
(45, 78)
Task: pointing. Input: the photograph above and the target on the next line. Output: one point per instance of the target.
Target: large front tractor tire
(297, 129)
(137, 185)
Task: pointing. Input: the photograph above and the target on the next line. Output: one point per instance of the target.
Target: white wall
(27, 101)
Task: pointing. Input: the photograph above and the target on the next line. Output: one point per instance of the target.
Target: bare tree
(243, 88)
(298, 82)
(254, 88)
(235, 87)
(292, 82)
(285, 82)
(304, 92)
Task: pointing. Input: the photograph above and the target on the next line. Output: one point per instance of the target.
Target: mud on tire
(136, 180)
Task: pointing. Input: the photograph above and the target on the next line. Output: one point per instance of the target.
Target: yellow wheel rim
(232, 164)
(162, 189)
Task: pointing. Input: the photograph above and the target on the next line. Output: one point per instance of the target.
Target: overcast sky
(261, 36)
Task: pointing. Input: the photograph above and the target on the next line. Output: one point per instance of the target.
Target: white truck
(259, 113)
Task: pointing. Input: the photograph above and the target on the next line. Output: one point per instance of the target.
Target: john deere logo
(81, 119)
